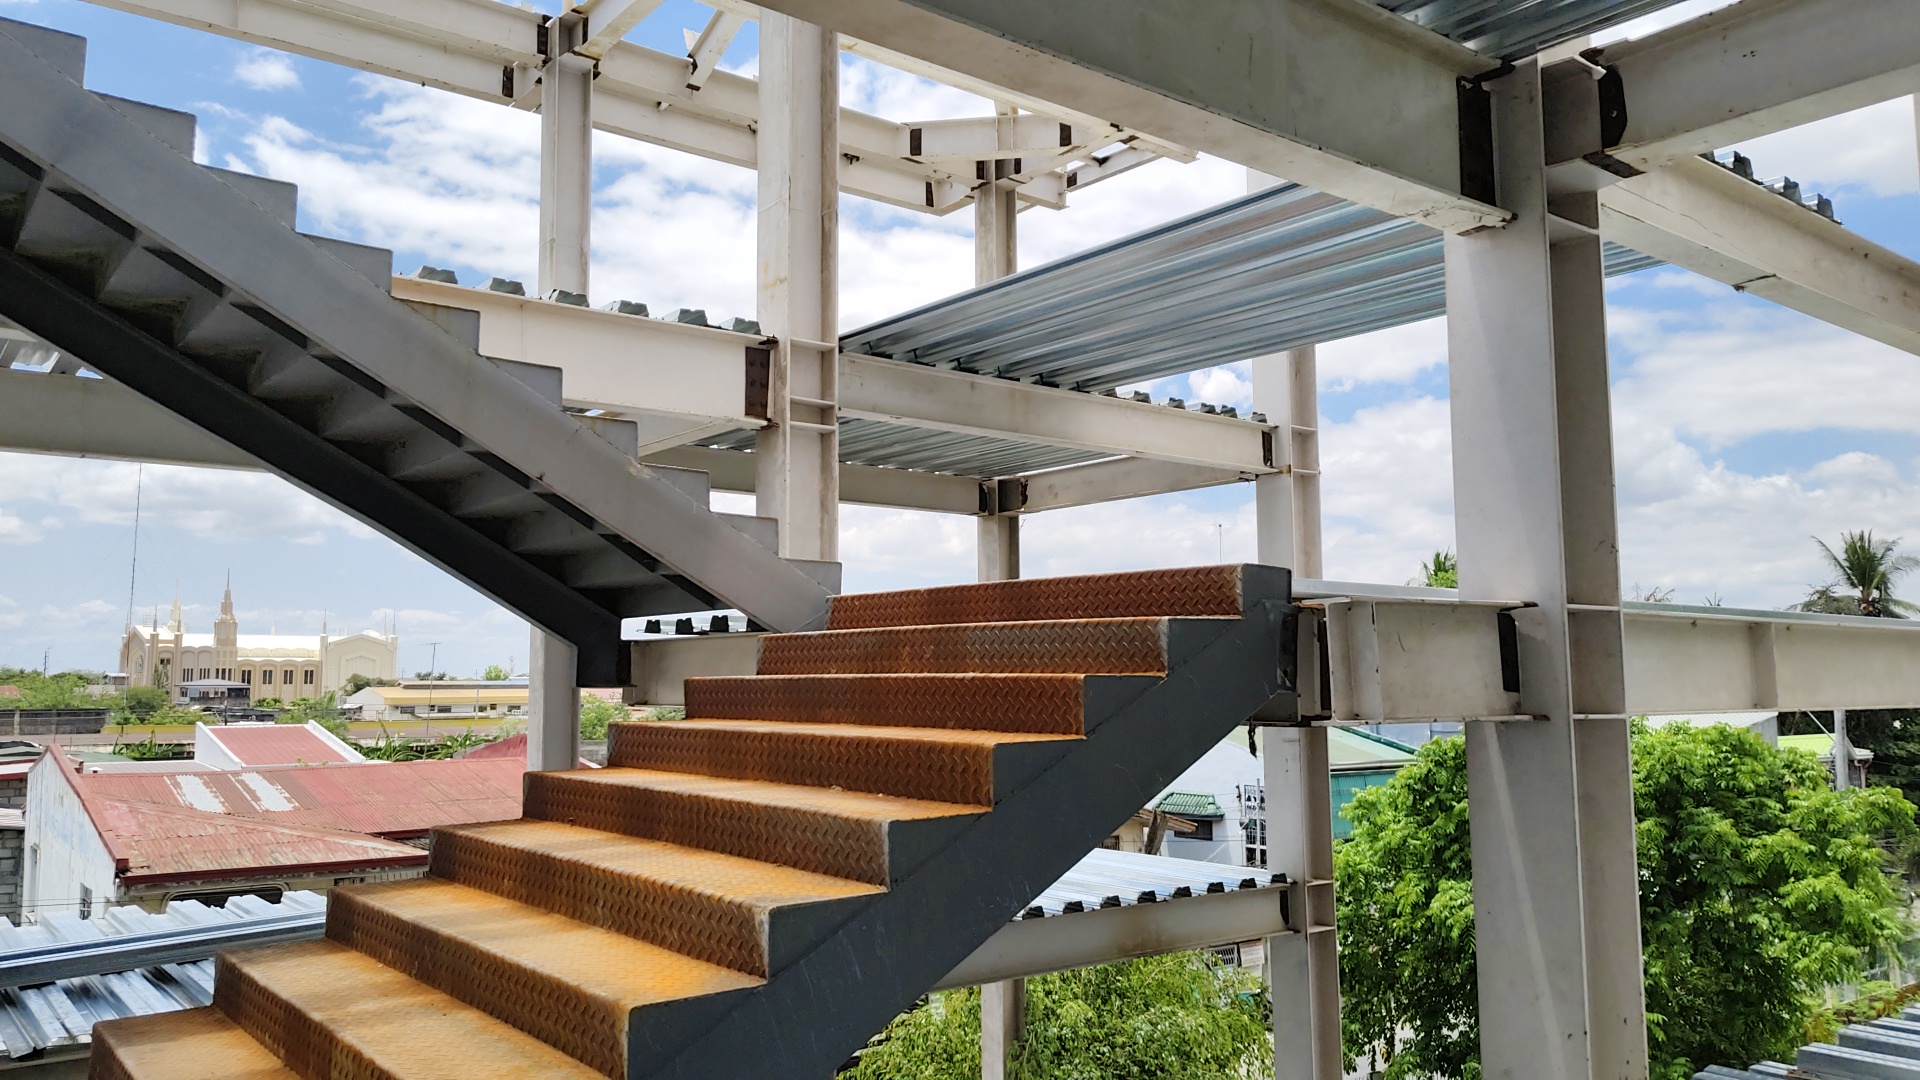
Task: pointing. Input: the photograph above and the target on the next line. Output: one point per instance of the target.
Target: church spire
(173, 623)
(226, 629)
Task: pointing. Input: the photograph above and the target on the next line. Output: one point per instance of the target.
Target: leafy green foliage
(140, 704)
(152, 749)
(357, 683)
(495, 673)
(1876, 1000)
(1864, 570)
(61, 690)
(1182, 1016)
(1759, 887)
(322, 710)
(596, 713)
(1440, 572)
(397, 748)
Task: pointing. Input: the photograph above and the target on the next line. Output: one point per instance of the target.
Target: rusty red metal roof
(170, 843)
(394, 800)
(277, 744)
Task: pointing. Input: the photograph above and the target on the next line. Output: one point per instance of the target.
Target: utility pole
(433, 659)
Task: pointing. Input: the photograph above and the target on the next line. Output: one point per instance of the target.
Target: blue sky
(1741, 429)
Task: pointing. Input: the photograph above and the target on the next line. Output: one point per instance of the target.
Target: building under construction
(868, 787)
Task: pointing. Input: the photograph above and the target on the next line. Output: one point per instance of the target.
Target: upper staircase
(753, 891)
(189, 284)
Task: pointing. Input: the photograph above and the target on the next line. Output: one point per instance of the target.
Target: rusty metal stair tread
(1048, 703)
(337, 1012)
(750, 882)
(971, 737)
(1183, 591)
(195, 1044)
(1117, 646)
(849, 804)
(568, 983)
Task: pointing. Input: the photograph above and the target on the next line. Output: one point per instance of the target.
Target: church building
(285, 666)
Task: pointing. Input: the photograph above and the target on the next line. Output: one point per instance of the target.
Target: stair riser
(940, 772)
(1027, 704)
(852, 848)
(1189, 591)
(1104, 647)
(589, 1028)
(705, 927)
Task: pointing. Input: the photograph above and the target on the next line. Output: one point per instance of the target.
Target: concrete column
(797, 454)
(1003, 1023)
(566, 202)
(1842, 752)
(996, 254)
(1303, 968)
(1555, 891)
(566, 160)
(553, 704)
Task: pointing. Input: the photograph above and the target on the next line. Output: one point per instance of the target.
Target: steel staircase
(755, 890)
(190, 285)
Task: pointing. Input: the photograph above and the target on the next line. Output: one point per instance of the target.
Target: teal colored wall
(1345, 786)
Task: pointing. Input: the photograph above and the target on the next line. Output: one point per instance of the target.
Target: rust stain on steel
(1134, 646)
(1035, 704)
(190, 1045)
(1188, 591)
(839, 833)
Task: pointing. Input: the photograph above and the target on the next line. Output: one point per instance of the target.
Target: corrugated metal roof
(1107, 879)
(1280, 268)
(156, 843)
(59, 1016)
(902, 446)
(1511, 29)
(1885, 1049)
(1190, 804)
(276, 744)
(391, 799)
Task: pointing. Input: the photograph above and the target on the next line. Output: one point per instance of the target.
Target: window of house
(246, 676)
(307, 677)
(86, 902)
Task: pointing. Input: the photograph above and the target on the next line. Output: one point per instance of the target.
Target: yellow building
(275, 665)
(477, 699)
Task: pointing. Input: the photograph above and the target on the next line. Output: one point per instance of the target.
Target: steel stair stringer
(306, 319)
(1142, 733)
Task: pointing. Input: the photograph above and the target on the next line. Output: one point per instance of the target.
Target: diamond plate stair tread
(838, 833)
(334, 1014)
(719, 908)
(923, 763)
(565, 982)
(1135, 646)
(194, 1044)
(1187, 591)
(1049, 704)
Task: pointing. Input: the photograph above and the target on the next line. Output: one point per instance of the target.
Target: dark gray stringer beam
(56, 312)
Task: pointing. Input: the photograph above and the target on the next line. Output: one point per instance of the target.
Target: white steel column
(996, 254)
(553, 704)
(1555, 890)
(566, 205)
(797, 455)
(1303, 968)
(566, 159)
(1287, 503)
(1842, 752)
(1003, 1023)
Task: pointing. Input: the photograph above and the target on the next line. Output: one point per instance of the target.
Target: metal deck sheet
(1511, 29)
(1276, 269)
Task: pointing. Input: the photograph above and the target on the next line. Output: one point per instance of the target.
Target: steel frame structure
(1439, 112)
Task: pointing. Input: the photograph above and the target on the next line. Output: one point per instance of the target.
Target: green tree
(1864, 572)
(138, 704)
(1760, 886)
(495, 673)
(320, 710)
(1182, 1016)
(596, 713)
(1440, 572)
(357, 683)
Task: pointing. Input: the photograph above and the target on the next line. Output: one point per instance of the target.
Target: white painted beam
(876, 389)
(607, 21)
(1121, 478)
(80, 417)
(1695, 214)
(1341, 96)
(987, 138)
(870, 485)
(1749, 69)
(705, 51)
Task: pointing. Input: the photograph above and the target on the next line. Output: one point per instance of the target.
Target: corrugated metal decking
(1885, 1049)
(1518, 28)
(1269, 271)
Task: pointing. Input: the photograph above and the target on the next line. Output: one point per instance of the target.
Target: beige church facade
(282, 666)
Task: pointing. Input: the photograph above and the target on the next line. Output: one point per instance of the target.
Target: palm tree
(1440, 572)
(1864, 572)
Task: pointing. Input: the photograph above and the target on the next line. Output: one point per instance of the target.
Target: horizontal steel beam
(870, 485)
(127, 952)
(1694, 214)
(1341, 96)
(1746, 70)
(1393, 655)
(1106, 481)
(876, 389)
(1029, 947)
(94, 418)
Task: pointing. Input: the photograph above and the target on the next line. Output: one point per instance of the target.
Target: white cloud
(264, 69)
(1384, 356)
(212, 504)
(13, 530)
(1871, 148)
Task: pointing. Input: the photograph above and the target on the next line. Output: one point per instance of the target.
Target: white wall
(1218, 773)
(63, 850)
